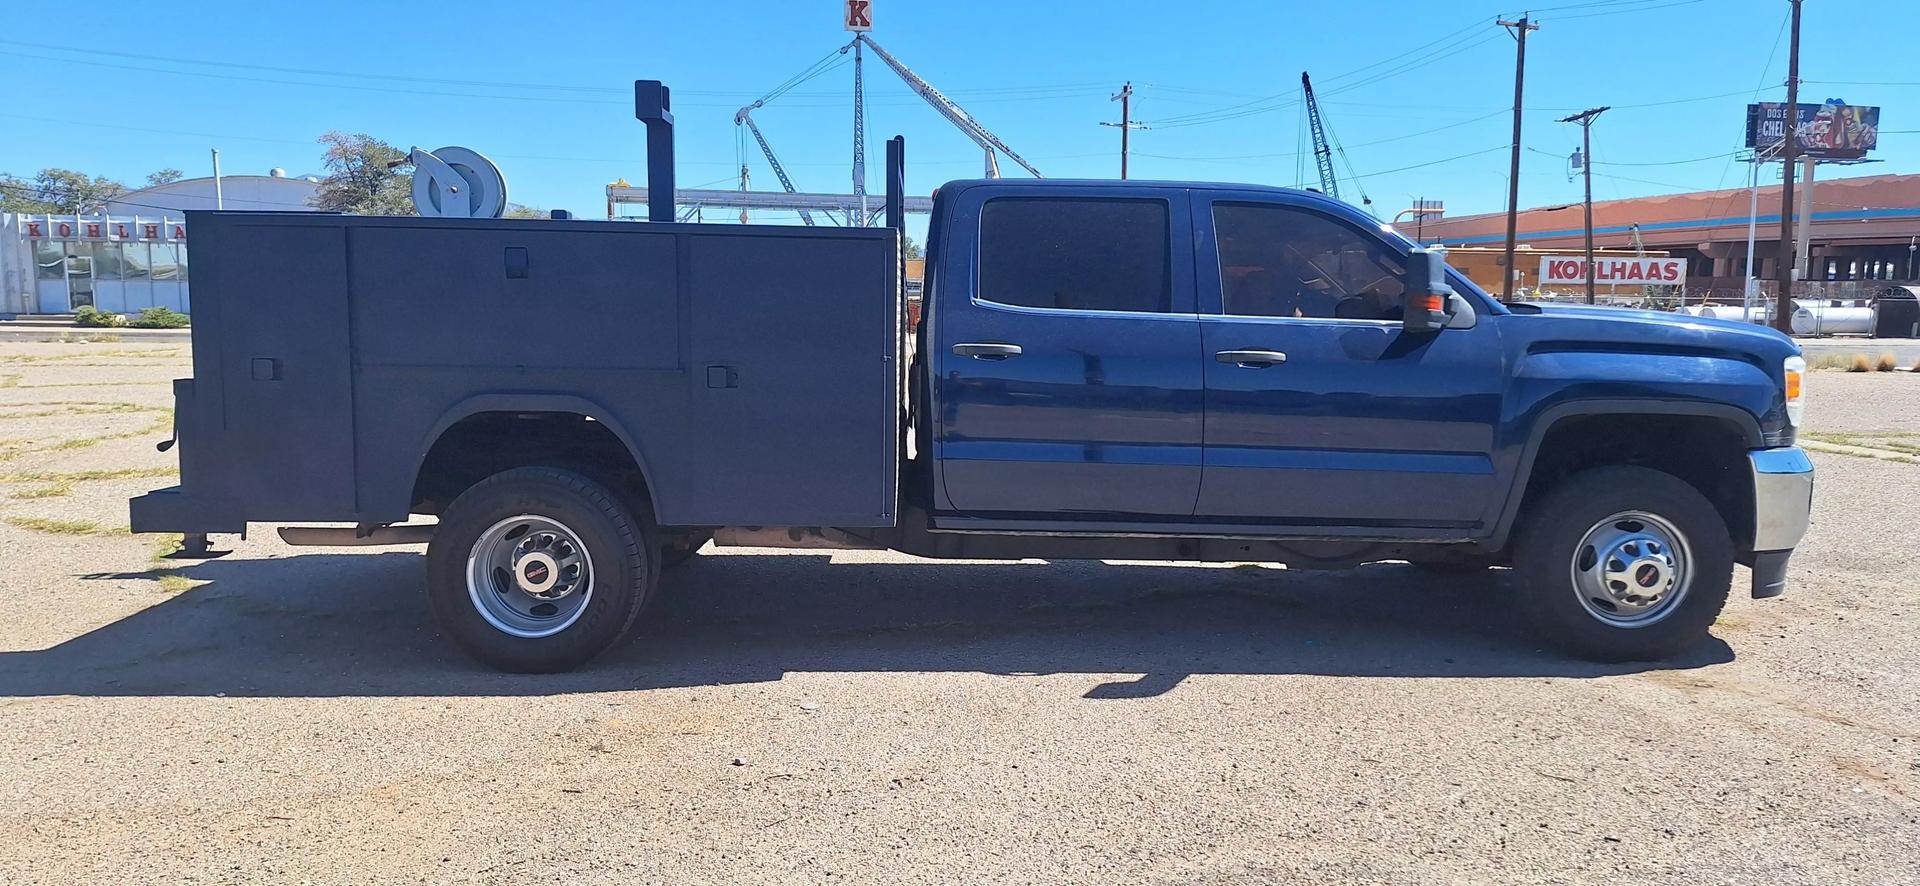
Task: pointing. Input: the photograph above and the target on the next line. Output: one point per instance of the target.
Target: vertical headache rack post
(653, 105)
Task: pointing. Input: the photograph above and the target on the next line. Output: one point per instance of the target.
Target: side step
(350, 536)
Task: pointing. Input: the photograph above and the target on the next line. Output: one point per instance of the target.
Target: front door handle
(1252, 358)
(986, 350)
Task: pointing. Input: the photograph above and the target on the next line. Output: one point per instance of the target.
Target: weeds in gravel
(87, 338)
(61, 483)
(176, 584)
(166, 546)
(9, 450)
(1886, 362)
(24, 359)
(1892, 441)
(76, 407)
(60, 527)
(1860, 363)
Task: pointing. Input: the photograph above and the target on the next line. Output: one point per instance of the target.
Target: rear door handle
(986, 350)
(1253, 358)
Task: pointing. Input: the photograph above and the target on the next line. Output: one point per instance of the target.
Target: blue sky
(543, 88)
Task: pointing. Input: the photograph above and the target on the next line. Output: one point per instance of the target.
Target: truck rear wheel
(539, 569)
(1623, 564)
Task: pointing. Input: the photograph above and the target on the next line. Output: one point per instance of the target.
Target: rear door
(1321, 410)
(1069, 377)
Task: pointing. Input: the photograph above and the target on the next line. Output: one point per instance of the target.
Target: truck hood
(1627, 325)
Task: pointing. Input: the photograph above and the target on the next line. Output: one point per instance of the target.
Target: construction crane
(745, 116)
(953, 112)
(1322, 154)
(1324, 146)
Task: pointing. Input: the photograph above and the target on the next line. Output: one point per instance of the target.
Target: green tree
(913, 249)
(359, 179)
(58, 190)
(165, 176)
(516, 210)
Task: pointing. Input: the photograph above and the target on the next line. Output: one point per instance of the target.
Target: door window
(1277, 261)
(1075, 254)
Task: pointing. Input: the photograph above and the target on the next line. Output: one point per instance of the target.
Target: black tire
(678, 551)
(618, 539)
(1548, 549)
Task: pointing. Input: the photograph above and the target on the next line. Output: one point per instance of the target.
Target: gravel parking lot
(288, 714)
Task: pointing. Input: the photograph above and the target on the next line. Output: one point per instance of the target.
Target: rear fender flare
(530, 402)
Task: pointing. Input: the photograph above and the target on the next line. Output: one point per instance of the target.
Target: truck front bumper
(1782, 508)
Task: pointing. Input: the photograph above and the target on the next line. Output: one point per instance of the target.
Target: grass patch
(21, 359)
(9, 452)
(59, 527)
(76, 409)
(87, 476)
(166, 546)
(1890, 441)
(59, 483)
(176, 584)
(87, 338)
(1860, 363)
(1886, 362)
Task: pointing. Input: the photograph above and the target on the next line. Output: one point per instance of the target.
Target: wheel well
(1708, 453)
(486, 443)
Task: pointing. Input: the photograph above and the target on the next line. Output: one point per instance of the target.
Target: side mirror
(1427, 292)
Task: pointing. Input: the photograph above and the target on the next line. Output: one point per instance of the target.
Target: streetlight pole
(1585, 119)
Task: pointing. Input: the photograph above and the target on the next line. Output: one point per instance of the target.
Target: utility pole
(1126, 124)
(1783, 303)
(1520, 29)
(219, 196)
(1585, 119)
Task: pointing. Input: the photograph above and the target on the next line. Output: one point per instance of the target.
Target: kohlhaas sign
(859, 15)
(1833, 130)
(1565, 270)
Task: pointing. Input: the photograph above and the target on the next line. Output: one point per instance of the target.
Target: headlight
(1794, 370)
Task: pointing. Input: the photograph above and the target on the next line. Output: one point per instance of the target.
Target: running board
(353, 536)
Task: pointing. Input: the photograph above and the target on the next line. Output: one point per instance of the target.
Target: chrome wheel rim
(529, 576)
(1630, 570)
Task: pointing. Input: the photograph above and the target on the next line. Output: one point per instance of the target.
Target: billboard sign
(1834, 130)
(1569, 270)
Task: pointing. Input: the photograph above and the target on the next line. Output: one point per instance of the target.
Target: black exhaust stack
(653, 105)
(897, 183)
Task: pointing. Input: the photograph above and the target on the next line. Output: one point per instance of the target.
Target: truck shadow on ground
(357, 624)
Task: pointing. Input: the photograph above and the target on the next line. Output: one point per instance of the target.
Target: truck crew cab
(1137, 370)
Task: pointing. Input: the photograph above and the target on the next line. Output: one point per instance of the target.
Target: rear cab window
(1076, 254)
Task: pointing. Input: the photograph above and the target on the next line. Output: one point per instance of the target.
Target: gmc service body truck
(1136, 370)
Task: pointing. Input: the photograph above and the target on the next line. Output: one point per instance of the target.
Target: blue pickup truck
(1128, 370)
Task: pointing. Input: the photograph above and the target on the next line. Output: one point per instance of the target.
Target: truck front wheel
(539, 569)
(1623, 564)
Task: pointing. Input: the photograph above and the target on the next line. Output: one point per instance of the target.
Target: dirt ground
(289, 714)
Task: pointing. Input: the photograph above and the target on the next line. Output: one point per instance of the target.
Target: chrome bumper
(1782, 508)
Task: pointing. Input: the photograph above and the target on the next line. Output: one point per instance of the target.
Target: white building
(134, 255)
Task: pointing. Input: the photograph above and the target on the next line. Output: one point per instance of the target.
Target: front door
(1068, 352)
(1320, 409)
